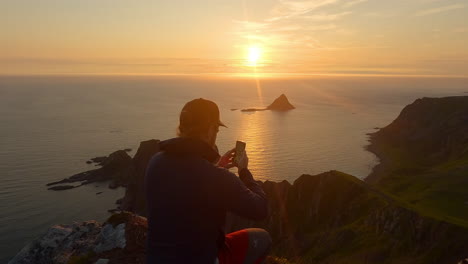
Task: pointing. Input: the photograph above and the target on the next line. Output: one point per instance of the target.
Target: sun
(254, 55)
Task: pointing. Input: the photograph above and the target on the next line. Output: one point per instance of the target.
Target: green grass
(436, 190)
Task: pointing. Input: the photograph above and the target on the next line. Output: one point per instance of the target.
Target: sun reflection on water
(253, 131)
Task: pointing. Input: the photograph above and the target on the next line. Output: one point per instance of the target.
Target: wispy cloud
(438, 10)
(291, 8)
(295, 24)
(354, 2)
(326, 16)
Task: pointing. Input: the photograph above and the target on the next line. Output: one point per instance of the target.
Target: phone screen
(240, 149)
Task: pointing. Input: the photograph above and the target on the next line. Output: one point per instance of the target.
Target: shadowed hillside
(334, 217)
(327, 218)
(424, 157)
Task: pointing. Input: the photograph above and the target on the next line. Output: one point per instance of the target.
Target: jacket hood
(189, 146)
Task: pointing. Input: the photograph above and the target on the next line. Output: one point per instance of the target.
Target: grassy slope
(439, 192)
(411, 169)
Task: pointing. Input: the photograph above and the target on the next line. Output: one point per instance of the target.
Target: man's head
(200, 119)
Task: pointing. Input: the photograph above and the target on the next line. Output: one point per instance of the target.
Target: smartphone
(240, 150)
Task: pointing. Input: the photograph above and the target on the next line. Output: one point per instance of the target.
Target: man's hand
(242, 160)
(226, 161)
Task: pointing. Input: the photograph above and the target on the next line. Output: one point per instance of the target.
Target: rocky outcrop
(279, 104)
(134, 199)
(121, 239)
(120, 170)
(253, 109)
(117, 168)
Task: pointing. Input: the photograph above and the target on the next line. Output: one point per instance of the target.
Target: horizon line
(237, 75)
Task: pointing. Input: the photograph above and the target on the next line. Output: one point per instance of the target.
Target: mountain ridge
(424, 157)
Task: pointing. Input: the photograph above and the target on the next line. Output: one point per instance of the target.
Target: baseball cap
(200, 111)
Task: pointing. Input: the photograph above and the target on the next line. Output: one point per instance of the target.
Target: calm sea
(50, 126)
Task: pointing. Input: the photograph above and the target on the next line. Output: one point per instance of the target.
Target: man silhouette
(189, 190)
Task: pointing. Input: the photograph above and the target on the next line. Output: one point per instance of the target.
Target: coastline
(331, 206)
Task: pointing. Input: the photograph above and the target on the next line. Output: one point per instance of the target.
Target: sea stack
(281, 104)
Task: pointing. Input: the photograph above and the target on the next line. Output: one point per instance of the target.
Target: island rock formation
(279, 104)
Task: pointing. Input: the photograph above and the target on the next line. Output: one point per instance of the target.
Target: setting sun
(254, 55)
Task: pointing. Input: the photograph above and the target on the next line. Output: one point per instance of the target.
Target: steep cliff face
(434, 129)
(134, 199)
(424, 157)
(336, 218)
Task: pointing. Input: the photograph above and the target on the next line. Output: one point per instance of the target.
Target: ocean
(50, 127)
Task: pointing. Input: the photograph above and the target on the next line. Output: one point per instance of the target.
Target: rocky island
(279, 104)
(411, 209)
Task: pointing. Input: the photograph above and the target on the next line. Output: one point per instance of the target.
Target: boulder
(59, 243)
(111, 237)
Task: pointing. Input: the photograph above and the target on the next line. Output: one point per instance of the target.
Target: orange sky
(408, 37)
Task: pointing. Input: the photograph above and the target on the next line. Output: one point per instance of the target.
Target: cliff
(326, 218)
(434, 130)
(336, 218)
(424, 157)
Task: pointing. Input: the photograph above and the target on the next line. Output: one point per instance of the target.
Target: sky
(237, 37)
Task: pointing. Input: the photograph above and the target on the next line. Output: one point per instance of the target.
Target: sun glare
(254, 55)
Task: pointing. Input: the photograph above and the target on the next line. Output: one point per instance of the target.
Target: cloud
(438, 10)
(326, 17)
(354, 2)
(291, 8)
(292, 23)
(294, 30)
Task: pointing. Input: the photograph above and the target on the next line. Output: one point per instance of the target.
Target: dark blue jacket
(187, 198)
